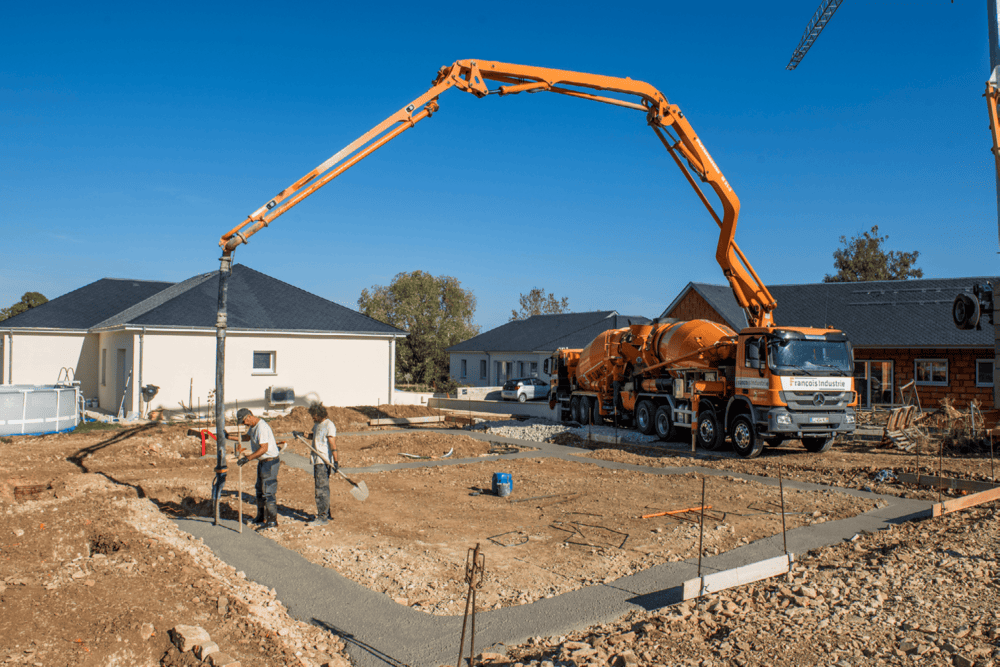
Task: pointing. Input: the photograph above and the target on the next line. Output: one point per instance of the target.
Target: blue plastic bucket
(502, 484)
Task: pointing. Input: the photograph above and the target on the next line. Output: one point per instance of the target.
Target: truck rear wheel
(664, 424)
(818, 445)
(746, 442)
(644, 413)
(710, 435)
(596, 418)
(583, 411)
(574, 409)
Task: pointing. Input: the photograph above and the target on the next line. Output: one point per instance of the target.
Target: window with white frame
(263, 363)
(534, 369)
(931, 372)
(482, 369)
(984, 372)
(104, 367)
(465, 367)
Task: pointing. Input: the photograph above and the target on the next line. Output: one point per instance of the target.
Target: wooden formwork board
(950, 506)
(944, 482)
(746, 574)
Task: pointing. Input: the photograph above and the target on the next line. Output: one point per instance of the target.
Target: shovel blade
(360, 491)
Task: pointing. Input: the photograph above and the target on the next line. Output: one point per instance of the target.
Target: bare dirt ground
(88, 556)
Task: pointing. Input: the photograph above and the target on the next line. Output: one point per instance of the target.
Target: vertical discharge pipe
(225, 270)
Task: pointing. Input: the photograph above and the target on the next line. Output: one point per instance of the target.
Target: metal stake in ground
(993, 478)
(940, 465)
(701, 538)
(781, 491)
(239, 440)
(474, 564)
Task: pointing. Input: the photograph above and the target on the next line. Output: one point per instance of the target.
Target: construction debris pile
(916, 594)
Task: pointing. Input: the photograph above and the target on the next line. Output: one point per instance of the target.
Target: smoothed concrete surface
(380, 632)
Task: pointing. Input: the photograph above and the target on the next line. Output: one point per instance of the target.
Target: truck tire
(746, 442)
(663, 423)
(583, 410)
(596, 418)
(710, 435)
(644, 415)
(817, 445)
(574, 409)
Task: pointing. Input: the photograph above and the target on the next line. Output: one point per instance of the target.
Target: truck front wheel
(746, 442)
(710, 435)
(583, 411)
(644, 417)
(817, 445)
(664, 425)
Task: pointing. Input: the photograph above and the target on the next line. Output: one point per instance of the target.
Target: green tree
(435, 311)
(28, 300)
(536, 302)
(863, 258)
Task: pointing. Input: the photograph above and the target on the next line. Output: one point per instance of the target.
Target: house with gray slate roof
(901, 330)
(517, 349)
(114, 336)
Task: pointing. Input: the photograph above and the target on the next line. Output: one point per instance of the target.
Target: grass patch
(90, 427)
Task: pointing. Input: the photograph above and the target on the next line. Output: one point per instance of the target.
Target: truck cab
(792, 383)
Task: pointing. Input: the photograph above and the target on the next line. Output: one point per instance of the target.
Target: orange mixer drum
(594, 356)
(681, 339)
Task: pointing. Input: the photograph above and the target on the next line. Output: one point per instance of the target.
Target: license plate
(819, 420)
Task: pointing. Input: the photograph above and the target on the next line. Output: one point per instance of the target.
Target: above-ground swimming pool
(27, 409)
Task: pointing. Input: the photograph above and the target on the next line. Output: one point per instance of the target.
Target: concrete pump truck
(773, 345)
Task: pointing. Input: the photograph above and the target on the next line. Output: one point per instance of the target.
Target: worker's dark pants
(321, 474)
(267, 480)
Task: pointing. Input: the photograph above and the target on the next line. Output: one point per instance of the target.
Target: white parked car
(524, 389)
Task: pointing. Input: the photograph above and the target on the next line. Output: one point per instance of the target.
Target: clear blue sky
(133, 135)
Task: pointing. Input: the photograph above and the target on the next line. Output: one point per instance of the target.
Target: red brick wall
(694, 307)
(961, 374)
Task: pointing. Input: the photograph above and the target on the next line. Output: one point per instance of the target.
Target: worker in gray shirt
(324, 437)
(265, 449)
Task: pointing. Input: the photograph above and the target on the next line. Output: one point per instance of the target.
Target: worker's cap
(242, 414)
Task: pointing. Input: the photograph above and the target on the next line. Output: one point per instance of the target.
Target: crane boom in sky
(826, 10)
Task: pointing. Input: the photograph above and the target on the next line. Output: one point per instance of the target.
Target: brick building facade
(900, 331)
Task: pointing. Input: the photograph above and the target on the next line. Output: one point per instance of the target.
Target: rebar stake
(993, 477)
(475, 562)
(781, 491)
(701, 538)
(940, 466)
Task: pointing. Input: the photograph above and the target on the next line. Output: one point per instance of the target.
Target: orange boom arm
(471, 76)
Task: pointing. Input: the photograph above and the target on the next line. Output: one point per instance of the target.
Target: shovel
(358, 489)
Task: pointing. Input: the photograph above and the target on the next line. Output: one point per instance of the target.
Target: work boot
(259, 519)
(270, 516)
(319, 521)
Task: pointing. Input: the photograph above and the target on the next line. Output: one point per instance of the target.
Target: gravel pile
(540, 430)
(537, 430)
(921, 593)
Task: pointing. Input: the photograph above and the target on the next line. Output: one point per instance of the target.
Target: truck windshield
(816, 357)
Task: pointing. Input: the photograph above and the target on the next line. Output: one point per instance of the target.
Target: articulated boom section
(471, 76)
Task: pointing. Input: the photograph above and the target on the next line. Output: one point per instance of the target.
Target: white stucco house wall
(519, 348)
(116, 336)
